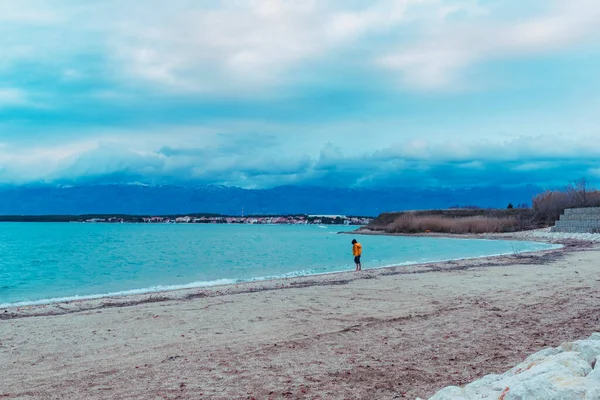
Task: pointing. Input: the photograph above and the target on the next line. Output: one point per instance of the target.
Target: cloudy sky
(259, 93)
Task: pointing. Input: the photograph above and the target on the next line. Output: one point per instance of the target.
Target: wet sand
(398, 332)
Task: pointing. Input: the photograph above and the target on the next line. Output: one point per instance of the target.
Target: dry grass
(408, 223)
(546, 209)
(455, 221)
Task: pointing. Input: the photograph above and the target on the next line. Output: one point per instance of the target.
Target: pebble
(546, 234)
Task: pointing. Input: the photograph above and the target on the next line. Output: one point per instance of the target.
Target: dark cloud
(259, 162)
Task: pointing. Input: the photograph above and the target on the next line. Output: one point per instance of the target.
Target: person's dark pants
(357, 260)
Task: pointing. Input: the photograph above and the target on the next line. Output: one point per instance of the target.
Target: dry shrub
(477, 224)
(548, 206)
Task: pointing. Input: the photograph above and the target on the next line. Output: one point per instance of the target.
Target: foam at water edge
(152, 289)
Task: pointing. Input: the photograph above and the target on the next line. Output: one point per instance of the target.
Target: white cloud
(71, 74)
(260, 44)
(222, 46)
(30, 12)
(438, 60)
(207, 49)
(36, 163)
(12, 97)
(232, 46)
(102, 52)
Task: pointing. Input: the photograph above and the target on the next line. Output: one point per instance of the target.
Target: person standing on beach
(357, 252)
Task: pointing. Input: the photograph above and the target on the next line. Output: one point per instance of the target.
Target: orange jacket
(357, 249)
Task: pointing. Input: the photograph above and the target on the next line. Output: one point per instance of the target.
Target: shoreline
(544, 235)
(398, 332)
(60, 306)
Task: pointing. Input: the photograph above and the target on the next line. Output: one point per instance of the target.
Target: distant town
(218, 219)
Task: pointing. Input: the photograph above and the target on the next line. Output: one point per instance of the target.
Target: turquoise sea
(46, 262)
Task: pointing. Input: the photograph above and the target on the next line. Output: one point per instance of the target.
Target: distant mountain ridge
(163, 200)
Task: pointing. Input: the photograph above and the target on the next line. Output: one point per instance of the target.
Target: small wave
(292, 274)
(152, 289)
(161, 288)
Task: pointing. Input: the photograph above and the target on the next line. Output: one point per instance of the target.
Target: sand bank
(387, 333)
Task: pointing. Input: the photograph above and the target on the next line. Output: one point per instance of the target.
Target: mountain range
(165, 200)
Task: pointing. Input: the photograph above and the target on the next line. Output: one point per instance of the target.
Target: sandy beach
(398, 332)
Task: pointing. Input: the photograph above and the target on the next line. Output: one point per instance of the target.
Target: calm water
(41, 262)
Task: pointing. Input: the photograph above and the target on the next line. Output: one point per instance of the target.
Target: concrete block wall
(579, 220)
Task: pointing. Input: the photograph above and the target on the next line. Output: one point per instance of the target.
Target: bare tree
(578, 192)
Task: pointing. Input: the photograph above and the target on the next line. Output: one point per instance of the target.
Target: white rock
(552, 387)
(593, 394)
(487, 388)
(566, 364)
(545, 233)
(534, 359)
(595, 374)
(595, 336)
(562, 373)
(450, 393)
(532, 390)
(589, 349)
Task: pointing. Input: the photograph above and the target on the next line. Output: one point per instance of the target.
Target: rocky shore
(570, 371)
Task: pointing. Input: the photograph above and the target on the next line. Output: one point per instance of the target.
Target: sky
(262, 93)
